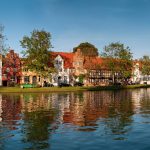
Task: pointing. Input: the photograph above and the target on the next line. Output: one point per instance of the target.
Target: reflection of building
(11, 109)
(1, 110)
(32, 103)
(140, 97)
(87, 108)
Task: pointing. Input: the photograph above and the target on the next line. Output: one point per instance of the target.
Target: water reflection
(36, 121)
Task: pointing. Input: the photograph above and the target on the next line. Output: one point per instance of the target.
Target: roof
(93, 62)
(68, 58)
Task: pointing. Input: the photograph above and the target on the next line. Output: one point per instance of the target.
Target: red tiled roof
(93, 62)
(68, 58)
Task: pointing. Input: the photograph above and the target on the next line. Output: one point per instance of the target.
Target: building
(63, 63)
(137, 76)
(69, 69)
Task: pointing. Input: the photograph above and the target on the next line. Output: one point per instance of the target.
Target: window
(26, 79)
(12, 78)
(25, 70)
(65, 79)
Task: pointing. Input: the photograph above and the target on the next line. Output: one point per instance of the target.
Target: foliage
(145, 65)
(117, 51)
(119, 59)
(87, 49)
(11, 65)
(81, 78)
(37, 51)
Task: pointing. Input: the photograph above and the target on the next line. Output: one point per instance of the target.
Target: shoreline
(67, 89)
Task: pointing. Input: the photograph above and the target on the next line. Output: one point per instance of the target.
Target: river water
(104, 120)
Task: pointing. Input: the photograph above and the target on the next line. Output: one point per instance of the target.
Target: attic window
(58, 62)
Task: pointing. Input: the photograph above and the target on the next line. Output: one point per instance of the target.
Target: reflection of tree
(37, 125)
(11, 107)
(144, 102)
(120, 112)
(39, 120)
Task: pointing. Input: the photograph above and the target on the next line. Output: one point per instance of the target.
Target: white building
(138, 77)
(63, 65)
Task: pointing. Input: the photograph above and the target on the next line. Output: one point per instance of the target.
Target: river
(103, 120)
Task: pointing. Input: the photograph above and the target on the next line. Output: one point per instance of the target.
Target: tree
(145, 65)
(37, 52)
(87, 49)
(12, 67)
(119, 60)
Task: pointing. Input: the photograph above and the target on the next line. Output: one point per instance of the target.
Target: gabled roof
(67, 57)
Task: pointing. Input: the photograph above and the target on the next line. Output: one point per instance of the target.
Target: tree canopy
(119, 59)
(12, 66)
(145, 60)
(117, 51)
(87, 49)
(37, 51)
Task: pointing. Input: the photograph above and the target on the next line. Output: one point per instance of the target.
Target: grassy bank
(39, 90)
(99, 88)
(67, 89)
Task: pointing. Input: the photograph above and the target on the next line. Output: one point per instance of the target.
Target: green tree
(37, 52)
(119, 60)
(87, 49)
(145, 60)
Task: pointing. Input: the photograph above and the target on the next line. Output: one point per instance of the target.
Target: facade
(69, 68)
(63, 63)
(30, 77)
(137, 76)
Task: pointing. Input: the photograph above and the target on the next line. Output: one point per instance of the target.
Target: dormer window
(58, 62)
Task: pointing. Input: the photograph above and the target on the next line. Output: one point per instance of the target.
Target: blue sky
(71, 22)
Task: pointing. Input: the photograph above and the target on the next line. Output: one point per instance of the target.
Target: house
(137, 76)
(93, 68)
(31, 77)
(63, 63)
(69, 68)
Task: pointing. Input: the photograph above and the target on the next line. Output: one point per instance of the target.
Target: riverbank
(67, 89)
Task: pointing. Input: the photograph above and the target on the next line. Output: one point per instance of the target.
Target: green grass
(39, 90)
(67, 89)
(99, 88)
